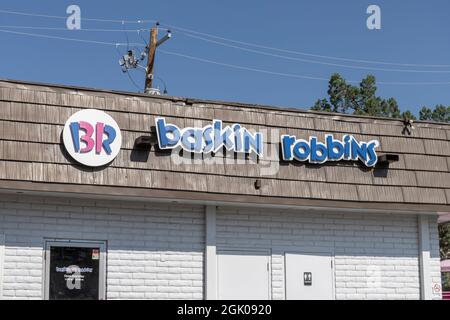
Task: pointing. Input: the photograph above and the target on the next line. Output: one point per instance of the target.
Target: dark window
(74, 273)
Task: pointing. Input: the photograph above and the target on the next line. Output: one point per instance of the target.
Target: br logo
(92, 137)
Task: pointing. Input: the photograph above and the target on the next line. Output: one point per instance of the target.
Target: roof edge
(188, 100)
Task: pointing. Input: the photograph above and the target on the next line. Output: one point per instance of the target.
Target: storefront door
(243, 275)
(309, 276)
(74, 270)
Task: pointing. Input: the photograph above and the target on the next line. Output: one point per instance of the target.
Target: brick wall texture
(156, 250)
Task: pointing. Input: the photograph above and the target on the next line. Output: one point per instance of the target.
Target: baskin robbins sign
(92, 137)
(237, 138)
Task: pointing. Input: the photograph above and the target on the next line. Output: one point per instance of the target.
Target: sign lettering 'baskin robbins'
(92, 137)
(314, 151)
(210, 138)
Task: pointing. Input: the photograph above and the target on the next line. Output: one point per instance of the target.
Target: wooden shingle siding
(380, 194)
(333, 191)
(348, 174)
(425, 162)
(433, 179)
(423, 195)
(437, 147)
(323, 124)
(32, 119)
(447, 194)
(404, 145)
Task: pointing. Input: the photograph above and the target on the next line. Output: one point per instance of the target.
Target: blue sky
(412, 32)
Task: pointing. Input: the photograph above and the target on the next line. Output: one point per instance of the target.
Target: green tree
(425, 113)
(439, 114)
(362, 99)
(408, 115)
(390, 109)
(322, 105)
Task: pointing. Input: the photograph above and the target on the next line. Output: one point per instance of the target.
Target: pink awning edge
(445, 265)
(444, 217)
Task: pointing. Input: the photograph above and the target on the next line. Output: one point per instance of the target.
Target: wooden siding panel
(424, 195)
(377, 128)
(236, 116)
(437, 147)
(353, 175)
(300, 171)
(396, 145)
(3, 170)
(331, 125)
(197, 111)
(394, 177)
(293, 189)
(424, 162)
(333, 191)
(151, 160)
(380, 193)
(283, 120)
(5, 110)
(433, 179)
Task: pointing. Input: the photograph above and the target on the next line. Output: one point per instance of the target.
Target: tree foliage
(439, 114)
(362, 100)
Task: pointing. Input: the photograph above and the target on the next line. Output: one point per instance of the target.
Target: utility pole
(153, 44)
(151, 58)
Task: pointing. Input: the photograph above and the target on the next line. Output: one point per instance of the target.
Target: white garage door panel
(243, 276)
(320, 268)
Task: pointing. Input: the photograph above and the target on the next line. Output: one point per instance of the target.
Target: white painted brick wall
(435, 268)
(376, 256)
(154, 251)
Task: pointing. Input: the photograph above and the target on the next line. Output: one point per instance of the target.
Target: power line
(237, 47)
(65, 29)
(68, 39)
(238, 42)
(290, 75)
(306, 53)
(215, 62)
(65, 17)
(243, 67)
(313, 61)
